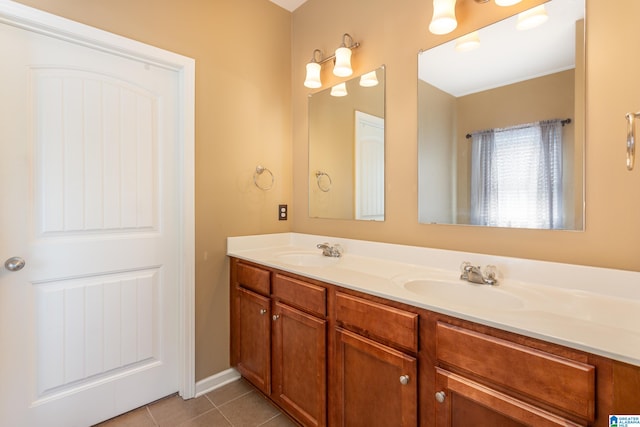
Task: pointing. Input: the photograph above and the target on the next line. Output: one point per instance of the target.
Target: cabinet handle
(440, 396)
(404, 379)
(276, 317)
(263, 311)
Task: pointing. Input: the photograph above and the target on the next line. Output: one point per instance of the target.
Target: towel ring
(324, 188)
(256, 176)
(631, 139)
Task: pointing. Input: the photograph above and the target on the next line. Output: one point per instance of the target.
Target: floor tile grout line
(155, 423)
(232, 400)
(270, 419)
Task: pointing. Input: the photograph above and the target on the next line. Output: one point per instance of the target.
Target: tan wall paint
(243, 118)
(393, 35)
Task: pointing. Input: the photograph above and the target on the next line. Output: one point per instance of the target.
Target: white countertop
(587, 308)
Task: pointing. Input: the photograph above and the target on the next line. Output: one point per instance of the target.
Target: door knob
(440, 396)
(404, 379)
(263, 311)
(14, 263)
(276, 317)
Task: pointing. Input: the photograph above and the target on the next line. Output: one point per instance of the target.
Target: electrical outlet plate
(282, 212)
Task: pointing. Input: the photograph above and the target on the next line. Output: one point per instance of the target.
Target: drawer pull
(404, 379)
(263, 311)
(440, 396)
(275, 317)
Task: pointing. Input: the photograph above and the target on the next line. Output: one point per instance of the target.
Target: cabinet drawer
(391, 325)
(300, 294)
(555, 381)
(254, 278)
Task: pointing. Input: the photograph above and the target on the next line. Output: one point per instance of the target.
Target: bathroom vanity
(349, 341)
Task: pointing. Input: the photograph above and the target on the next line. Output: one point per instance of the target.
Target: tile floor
(237, 404)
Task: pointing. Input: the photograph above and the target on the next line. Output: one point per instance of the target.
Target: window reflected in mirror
(346, 149)
(500, 125)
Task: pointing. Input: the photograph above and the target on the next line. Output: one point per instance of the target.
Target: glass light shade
(369, 80)
(532, 18)
(444, 17)
(343, 62)
(468, 42)
(339, 90)
(507, 2)
(313, 75)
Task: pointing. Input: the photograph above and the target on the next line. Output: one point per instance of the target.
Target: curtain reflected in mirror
(500, 127)
(346, 150)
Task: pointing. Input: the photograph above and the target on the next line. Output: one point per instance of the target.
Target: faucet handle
(465, 267)
(490, 275)
(337, 250)
(490, 271)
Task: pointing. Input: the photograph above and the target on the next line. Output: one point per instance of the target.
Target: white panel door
(369, 167)
(89, 328)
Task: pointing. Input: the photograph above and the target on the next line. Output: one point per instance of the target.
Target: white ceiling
(506, 55)
(290, 5)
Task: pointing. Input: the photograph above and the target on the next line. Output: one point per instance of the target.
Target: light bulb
(507, 2)
(369, 79)
(342, 68)
(339, 90)
(444, 17)
(532, 18)
(313, 75)
(468, 42)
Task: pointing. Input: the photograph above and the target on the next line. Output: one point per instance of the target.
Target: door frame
(30, 19)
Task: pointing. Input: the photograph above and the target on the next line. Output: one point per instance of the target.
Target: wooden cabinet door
(370, 382)
(463, 402)
(299, 372)
(251, 334)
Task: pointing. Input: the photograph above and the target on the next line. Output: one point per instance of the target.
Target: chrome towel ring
(256, 177)
(327, 185)
(631, 139)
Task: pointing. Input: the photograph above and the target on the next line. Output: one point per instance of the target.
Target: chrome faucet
(334, 251)
(475, 274)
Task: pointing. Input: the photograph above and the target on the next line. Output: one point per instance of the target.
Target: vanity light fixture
(444, 17)
(341, 57)
(468, 42)
(532, 18)
(339, 90)
(369, 79)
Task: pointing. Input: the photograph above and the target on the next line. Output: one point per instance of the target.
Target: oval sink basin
(464, 293)
(306, 259)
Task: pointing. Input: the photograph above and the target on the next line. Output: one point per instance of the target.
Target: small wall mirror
(500, 126)
(346, 149)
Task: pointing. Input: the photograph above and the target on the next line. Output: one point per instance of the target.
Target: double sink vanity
(389, 335)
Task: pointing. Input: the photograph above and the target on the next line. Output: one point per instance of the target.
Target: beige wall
(243, 118)
(393, 35)
(436, 155)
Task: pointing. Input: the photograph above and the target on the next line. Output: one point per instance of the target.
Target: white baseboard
(215, 381)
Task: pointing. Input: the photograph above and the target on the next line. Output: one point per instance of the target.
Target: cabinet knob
(276, 317)
(404, 379)
(263, 311)
(440, 396)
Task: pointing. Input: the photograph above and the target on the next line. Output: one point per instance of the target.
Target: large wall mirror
(346, 149)
(501, 126)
